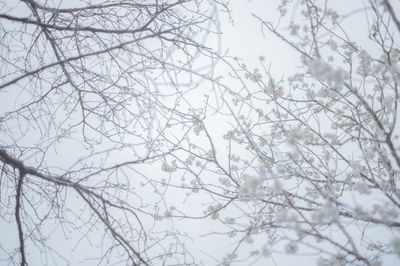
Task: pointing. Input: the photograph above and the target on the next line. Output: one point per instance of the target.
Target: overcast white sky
(243, 38)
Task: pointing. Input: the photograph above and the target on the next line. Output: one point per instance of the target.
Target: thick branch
(18, 218)
(392, 14)
(7, 159)
(76, 29)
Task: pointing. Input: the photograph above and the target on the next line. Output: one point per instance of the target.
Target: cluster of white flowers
(396, 246)
(158, 217)
(197, 128)
(388, 214)
(225, 181)
(365, 63)
(285, 215)
(168, 168)
(254, 253)
(265, 251)
(313, 193)
(332, 45)
(297, 133)
(190, 159)
(334, 261)
(252, 186)
(388, 102)
(362, 188)
(392, 64)
(276, 188)
(325, 72)
(293, 135)
(301, 233)
(255, 76)
(294, 28)
(332, 14)
(228, 258)
(369, 151)
(356, 169)
(326, 214)
(229, 220)
(230, 134)
(332, 138)
(291, 247)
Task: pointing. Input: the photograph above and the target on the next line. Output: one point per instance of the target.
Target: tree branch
(18, 218)
(392, 14)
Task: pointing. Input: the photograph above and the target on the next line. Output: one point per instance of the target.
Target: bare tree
(88, 93)
(117, 127)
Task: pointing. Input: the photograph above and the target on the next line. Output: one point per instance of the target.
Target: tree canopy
(129, 131)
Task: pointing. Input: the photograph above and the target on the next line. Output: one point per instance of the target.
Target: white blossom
(332, 45)
(365, 63)
(291, 247)
(167, 168)
(325, 72)
(396, 246)
(362, 188)
(326, 213)
(252, 186)
(265, 251)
